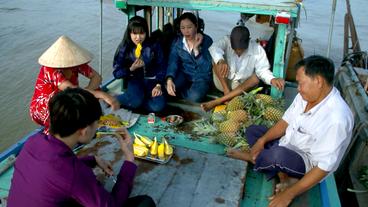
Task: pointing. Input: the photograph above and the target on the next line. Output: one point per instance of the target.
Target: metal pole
(170, 15)
(160, 16)
(100, 65)
(148, 17)
(331, 27)
(279, 63)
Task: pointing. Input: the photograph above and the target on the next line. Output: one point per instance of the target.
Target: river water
(29, 27)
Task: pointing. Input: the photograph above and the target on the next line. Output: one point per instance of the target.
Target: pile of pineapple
(227, 122)
(144, 146)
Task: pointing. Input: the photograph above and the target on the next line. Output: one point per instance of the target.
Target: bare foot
(280, 187)
(240, 155)
(209, 105)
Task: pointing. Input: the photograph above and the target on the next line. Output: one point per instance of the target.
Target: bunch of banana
(142, 145)
(140, 151)
(168, 148)
(161, 150)
(144, 139)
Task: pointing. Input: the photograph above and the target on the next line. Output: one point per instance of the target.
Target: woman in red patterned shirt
(61, 64)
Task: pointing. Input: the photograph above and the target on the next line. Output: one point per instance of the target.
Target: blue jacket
(152, 57)
(197, 68)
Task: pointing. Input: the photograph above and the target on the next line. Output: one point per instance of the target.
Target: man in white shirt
(315, 131)
(238, 65)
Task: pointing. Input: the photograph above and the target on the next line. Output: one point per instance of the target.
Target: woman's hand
(156, 91)
(197, 40)
(112, 101)
(104, 165)
(138, 63)
(170, 86)
(126, 146)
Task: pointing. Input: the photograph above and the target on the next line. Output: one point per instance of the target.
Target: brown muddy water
(28, 27)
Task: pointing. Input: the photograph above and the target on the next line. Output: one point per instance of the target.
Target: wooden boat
(199, 174)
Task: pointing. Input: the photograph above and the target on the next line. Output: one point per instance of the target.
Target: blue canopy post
(279, 60)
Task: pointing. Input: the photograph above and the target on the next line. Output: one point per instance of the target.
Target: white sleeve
(217, 49)
(331, 146)
(262, 66)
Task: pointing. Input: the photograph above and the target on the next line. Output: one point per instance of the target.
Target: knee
(273, 156)
(253, 132)
(250, 131)
(129, 101)
(157, 105)
(135, 102)
(195, 96)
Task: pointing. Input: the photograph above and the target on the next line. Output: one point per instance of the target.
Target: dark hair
(318, 65)
(137, 25)
(198, 22)
(72, 109)
(239, 37)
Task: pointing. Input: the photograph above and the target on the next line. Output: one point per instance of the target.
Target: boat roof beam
(245, 6)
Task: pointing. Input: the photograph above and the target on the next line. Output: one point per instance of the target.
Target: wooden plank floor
(190, 179)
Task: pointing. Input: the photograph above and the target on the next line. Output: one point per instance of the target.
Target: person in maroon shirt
(48, 173)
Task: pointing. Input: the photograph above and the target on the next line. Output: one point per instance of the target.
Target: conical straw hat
(65, 53)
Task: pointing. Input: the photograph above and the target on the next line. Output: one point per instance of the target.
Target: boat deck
(198, 175)
(190, 178)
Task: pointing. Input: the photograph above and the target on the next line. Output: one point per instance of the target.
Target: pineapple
(218, 116)
(266, 99)
(235, 104)
(238, 115)
(273, 114)
(229, 126)
(227, 138)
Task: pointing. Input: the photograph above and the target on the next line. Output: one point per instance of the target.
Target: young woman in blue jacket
(189, 69)
(141, 64)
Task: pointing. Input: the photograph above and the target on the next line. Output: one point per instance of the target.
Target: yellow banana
(168, 148)
(138, 50)
(140, 150)
(139, 142)
(154, 148)
(161, 151)
(145, 140)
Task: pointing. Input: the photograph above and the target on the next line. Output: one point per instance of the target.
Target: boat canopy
(266, 7)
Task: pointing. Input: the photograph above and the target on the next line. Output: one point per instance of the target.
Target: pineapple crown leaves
(242, 144)
(204, 127)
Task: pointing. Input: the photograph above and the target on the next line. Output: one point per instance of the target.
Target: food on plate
(112, 121)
